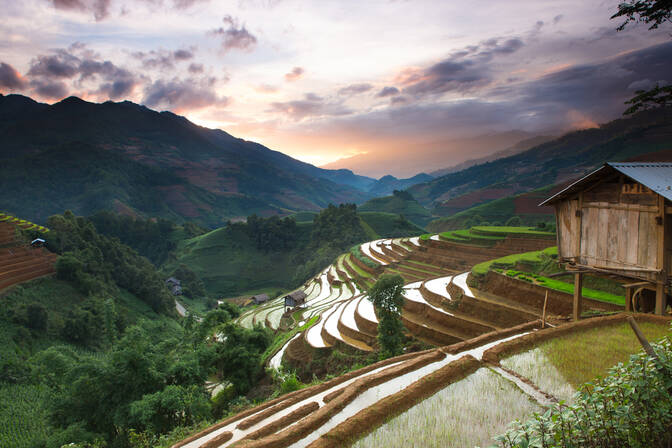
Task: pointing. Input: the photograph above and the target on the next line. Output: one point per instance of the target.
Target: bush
(630, 407)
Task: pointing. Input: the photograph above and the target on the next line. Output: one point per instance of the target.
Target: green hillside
(125, 157)
(497, 212)
(399, 204)
(239, 259)
(553, 162)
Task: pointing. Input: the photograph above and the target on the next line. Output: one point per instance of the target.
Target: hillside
(245, 258)
(387, 184)
(401, 205)
(498, 211)
(553, 162)
(125, 157)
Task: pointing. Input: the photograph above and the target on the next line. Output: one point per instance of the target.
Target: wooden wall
(616, 229)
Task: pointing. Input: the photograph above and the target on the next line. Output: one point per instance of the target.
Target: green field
(411, 209)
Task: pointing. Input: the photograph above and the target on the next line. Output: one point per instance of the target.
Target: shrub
(630, 407)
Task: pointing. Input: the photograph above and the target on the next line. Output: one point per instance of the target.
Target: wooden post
(661, 298)
(578, 297)
(543, 314)
(628, 299)
(642, 339)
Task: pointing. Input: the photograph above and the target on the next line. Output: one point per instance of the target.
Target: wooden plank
(628, 299)
(613, 233)
(637, 207)
(633, 238)
(602, 234)
(578, 226)
(622, 250)
(643, 243)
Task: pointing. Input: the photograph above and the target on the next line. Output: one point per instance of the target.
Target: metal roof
(656, 176)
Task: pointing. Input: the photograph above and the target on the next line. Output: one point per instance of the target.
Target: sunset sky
(403, 86)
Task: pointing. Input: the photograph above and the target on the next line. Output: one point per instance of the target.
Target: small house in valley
(297, 298)
(259, 299)
(614, 221)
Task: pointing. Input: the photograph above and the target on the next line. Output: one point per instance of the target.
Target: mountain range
(85, 156)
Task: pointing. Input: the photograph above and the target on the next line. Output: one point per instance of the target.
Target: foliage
(400, 203)
(151, 238)
(100, 264)
(271, 234)
(654, 13)
(651, 12)
(630, 407)
(389, 225)
(386, 296)
(565, 287)
(192, 285)
(356, 252)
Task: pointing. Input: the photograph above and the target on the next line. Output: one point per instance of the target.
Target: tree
(36, 317)
(386, 296)
(514, 221)
(654, 13)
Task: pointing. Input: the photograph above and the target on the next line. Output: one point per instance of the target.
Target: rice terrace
(335, 224)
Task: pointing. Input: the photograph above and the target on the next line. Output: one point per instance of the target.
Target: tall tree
(654, 13)
(388, 300)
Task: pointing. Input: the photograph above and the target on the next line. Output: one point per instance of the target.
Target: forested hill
(86, 157)
(553, 162)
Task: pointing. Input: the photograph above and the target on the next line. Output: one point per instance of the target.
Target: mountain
(553, 162)
(387, 184)
(515, 149)
(86, 156)
(399, 203)
(408, 158)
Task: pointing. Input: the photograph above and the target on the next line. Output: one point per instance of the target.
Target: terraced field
(449, 396)
(472, 328)
(440, 308)
(18, 261)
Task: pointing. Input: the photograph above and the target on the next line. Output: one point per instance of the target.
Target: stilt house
(616, 221)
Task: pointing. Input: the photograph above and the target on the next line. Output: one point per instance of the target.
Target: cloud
(266, 88)
(387, 91)
(461, 72)
(163, 59)
(54, 90)
(294, 75)
(10, 78)
(311, 106)
(234, 36)
(355, 89)
(183, 94)
(195, 68)
(59, 65)
(80, 66)
(101, 8)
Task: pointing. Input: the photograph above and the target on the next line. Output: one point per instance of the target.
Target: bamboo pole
(543, 314)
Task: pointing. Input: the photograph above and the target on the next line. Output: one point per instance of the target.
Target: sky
(380, 87)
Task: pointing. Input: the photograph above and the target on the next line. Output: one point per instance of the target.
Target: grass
(412, 210)
(565, 287)
(535, 365)
(582, 356)
(388, 225)
(356, 252)
(282, 338)
(509, 230)
(534, 258)
(24, 225)
(464, 414)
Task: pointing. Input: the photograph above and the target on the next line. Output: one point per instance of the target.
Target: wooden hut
(259, 299)
(614, 221)
(297, 298)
